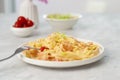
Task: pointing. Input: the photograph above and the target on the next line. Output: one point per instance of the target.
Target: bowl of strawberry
(23, 27)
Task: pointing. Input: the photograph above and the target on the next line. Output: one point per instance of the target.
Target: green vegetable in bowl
(60, 16)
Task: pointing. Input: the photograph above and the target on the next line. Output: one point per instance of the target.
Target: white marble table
(103, 28)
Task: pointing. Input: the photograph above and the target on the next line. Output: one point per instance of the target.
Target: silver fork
(18, 50)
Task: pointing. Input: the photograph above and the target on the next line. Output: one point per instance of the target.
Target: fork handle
(7, 57)
(17, 51)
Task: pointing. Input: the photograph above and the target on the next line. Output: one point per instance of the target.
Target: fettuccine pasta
(60, 47)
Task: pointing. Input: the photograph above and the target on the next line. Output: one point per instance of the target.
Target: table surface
(102, 28)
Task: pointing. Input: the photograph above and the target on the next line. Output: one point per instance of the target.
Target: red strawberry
(30, 23)
(22, 20)
(18, 25)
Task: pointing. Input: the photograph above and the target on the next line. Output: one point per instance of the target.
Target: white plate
(65, 64)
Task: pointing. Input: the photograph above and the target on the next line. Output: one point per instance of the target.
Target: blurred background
(76, 6)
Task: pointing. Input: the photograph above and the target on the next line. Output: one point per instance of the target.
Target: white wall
(1, 6)
(76, 6)
(113, 6)
(7, 6)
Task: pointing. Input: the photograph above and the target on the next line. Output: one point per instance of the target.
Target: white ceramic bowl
(62, 24)
(23, 32)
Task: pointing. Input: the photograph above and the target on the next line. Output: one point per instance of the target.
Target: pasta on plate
(60, 47)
